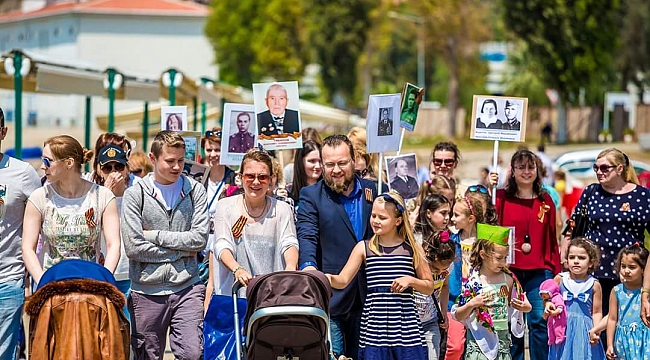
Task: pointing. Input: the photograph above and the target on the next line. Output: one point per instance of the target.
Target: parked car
(579, 164)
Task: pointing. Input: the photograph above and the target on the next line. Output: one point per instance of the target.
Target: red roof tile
(113, 7)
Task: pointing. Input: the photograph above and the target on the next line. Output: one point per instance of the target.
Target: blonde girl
(395, 266)
(491, 297)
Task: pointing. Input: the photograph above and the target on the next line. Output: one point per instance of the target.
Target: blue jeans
(344, 333)
(537, 332)
(12, 296)
(125, 288)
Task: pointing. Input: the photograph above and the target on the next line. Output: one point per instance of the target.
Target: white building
(137, 37)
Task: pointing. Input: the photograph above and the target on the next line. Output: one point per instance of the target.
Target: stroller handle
(236, 286)
(238, 336)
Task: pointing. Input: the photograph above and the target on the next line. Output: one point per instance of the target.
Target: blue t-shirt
(353, 206)
(456, 273)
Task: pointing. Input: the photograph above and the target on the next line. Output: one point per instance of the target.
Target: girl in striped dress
(395, 266)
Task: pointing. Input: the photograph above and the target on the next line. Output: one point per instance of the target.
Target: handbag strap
(583, 204)
(442, 318)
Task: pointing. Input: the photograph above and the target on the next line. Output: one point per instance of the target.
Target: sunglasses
(447, 162)
(478, 188)
(211, 133)
(250, 178)
(362, 173)
(136, 171)
(48, 162)
(603, 168)
(106, 168)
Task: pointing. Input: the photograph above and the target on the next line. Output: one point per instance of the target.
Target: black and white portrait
(385, 127)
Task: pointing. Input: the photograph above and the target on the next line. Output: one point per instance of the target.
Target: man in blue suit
(334, 215)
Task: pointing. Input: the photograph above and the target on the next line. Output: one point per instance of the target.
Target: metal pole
(145, 127)
(111, 100)
(87, 129)
(172, 88)
(195, 103)
(203, 119)
(18, 89)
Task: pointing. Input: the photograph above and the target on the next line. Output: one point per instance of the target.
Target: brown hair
(477, 208)
(524, 157)
(403, 229)
(257, 155)
(480, 245)
(299, 173)
(166, 138)
(309, 133)
(616, 157)
(106, 139)
(436, 185)
(339, 139)
(592, 250)
(438, 247)
(446, 146)
(67, 147)
(140, 160)
(214, 138)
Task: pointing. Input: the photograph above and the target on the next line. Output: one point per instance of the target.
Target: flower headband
(389, 199)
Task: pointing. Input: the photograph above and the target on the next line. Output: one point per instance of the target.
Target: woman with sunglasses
(254, 233)
(524, 205)
(111, 170)
(617, 215)
(69, 213)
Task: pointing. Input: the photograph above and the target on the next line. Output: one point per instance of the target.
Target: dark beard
(340, 189)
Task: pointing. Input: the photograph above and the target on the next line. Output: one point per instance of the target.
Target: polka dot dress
(615, 221)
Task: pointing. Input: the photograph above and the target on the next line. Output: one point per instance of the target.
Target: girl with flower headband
(491, 298)
(395, 267)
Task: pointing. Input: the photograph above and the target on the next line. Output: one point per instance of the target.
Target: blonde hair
(67, 147)
(403, 229)
(140, 160)
(436, 185)
(616, 157)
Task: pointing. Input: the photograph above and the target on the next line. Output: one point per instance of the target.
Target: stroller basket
(288, 316)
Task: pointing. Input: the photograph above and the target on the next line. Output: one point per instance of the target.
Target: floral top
(70, 228)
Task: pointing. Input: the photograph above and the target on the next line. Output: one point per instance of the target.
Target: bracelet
(237, 269)
(645, 290)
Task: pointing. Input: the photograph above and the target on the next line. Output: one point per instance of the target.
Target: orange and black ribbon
(238, 228)
(543, 209)
(369, 195)
(90, 218)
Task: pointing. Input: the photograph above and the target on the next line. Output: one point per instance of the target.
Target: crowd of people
(449, 274)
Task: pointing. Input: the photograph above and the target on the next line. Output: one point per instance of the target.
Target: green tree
(338, 31)
(257, 40)
(573, 41)
(633, 59)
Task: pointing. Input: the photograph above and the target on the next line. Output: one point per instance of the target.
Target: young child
(491, 298)
(433, 216)
(395, 266)
(582, 299)
(440, 252)
(627, 337)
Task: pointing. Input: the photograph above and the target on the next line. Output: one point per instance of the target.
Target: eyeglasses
(341, 164)
(526, 167)
(48, 162)
(478, 188)
(106, 168)
(603, 168)
(262, 178)
(447, 162)
(136, 172)
(211, 133)
(362, 173)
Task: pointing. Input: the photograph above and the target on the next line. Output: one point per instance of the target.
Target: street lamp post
(419, 21)
(18, 66)
(112, 82)
(172, 79)
(209, 84)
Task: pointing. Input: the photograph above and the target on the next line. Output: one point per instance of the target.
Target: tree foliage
(573, 41)
(633, 58)
(257, 40)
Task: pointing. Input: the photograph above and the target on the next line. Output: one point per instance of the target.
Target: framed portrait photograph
(402, 175)
(192, 144)
(411, 100)
(277, 110)
(382, 123)
(239, 135)
(501, 118)
(196, 171)
(173, 118)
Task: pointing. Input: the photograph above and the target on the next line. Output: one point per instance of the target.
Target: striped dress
(390, 325)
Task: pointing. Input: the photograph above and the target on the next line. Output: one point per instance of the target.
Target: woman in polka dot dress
(618, 210)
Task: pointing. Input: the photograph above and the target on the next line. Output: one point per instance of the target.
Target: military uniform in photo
(240, 142)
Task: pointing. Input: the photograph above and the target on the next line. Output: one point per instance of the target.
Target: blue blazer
(326, 237)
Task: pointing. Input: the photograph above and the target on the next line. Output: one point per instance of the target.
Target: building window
(57, 31)
(21, 37)
(71, 30)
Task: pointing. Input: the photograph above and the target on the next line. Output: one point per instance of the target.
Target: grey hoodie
(162, 245)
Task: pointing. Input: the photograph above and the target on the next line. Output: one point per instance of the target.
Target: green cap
(495, 234)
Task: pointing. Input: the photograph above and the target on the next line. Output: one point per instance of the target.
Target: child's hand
(594, 336)
(521, 305)
(477, 301)
(400, 284)
(556, 312)
(610, 353)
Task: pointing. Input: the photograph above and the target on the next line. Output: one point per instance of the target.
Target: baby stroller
(287, 316)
